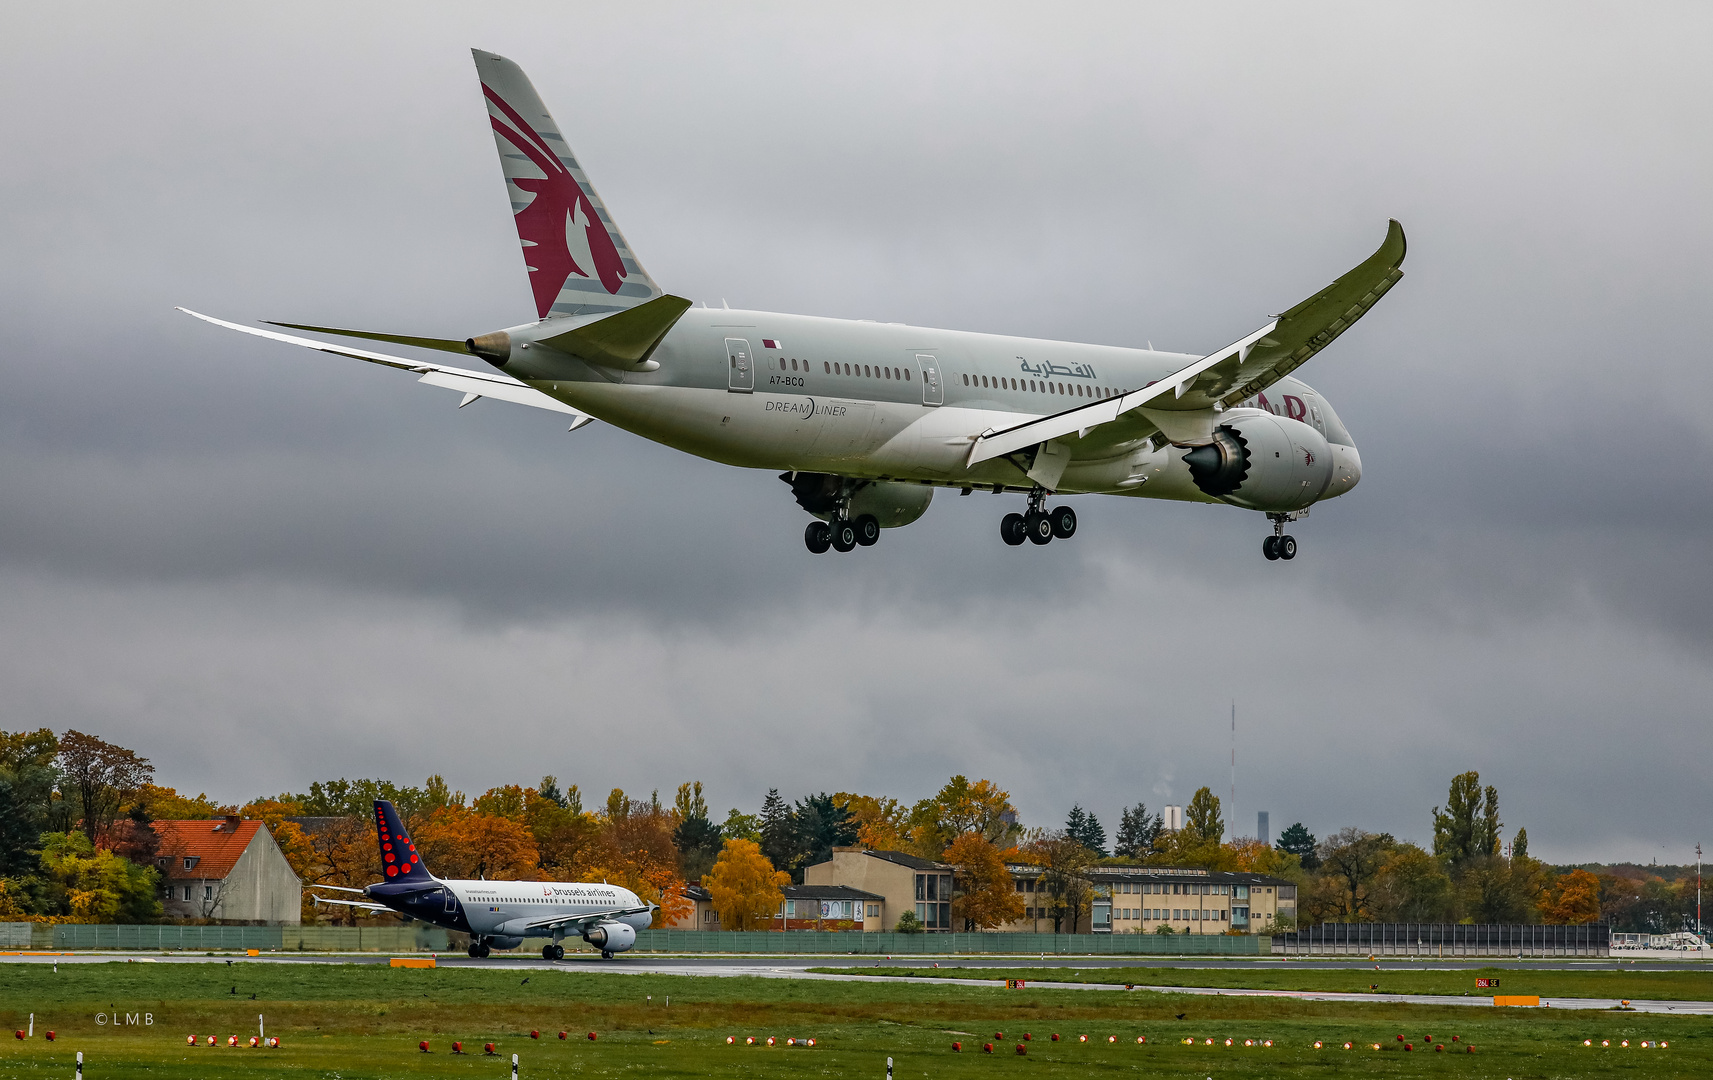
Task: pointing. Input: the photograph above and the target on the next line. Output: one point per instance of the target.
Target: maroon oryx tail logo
(561, 232)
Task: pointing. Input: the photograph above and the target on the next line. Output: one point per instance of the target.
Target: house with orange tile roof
(228, 869)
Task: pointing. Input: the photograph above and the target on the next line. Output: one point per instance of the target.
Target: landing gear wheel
(1011, 529)
(844, 536)
(606, 954)
(484, 950)
(1039, 526)
(1064, 522)
(867, 529)
(558, 952)
(547, 952)
(475, 951)
(1270, 548)
(818, 537)
(1287, 546)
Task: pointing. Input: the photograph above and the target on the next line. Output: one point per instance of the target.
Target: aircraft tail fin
(398, 851)
(579, 262)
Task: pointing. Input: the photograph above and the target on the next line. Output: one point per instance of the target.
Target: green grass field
(1585, 982)
(348, 1022)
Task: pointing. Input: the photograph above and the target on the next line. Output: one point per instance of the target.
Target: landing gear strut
(1039, 525)
(843, 533)
(1281, 545)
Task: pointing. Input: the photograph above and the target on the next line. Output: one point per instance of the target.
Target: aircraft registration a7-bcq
(865, 420)
(496, 914)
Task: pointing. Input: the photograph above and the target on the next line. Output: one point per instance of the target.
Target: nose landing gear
(480, 950)
(1039, 525)
(1281, 545)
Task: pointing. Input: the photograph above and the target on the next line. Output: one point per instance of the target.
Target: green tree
(1137, 832)
(1298, 841)
(818, 825)
(777, 843)
(28, 807)
(1351, 858)
(698, 839)
(1063, 863)
(1520, 845)
(962, 807)
(1202, 820)
(1411, 886)
(908, 923)
(98, 886)
(1085, 829)
(1469, 826)
(741, 826)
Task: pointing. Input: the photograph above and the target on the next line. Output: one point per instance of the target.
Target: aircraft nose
(1348, 468)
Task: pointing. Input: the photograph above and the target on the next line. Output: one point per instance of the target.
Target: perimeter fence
(1446, 939)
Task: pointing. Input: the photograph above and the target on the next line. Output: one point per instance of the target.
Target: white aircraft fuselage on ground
(865, 420)
(497, 914)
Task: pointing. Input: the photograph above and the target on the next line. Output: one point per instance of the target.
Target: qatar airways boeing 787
(863, 420)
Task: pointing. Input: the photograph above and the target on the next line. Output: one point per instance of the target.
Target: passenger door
(932, 392)
(742, 366)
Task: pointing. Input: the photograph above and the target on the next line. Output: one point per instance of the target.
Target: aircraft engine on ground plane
(611, 936)
(1262, 462)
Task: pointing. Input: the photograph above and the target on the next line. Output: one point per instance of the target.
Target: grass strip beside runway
(1569, 982)
(362, 1021)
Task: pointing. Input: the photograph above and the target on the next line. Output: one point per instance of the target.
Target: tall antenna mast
(1233, 811)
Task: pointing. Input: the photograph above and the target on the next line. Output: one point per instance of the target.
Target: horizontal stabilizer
(443, 344)
(625, 339)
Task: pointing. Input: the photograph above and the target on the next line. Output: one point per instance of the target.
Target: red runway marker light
(1409, 1046)
(567, 1035)
(20, 1034)
(957, 1048)
(423, 1046)
(534, 1034)
(987, 1048)
(730, 1039)
(256, 1041)
(999, 1035)
(488, 1048)
(591, 1036)
(1021, 1049)
(1027, 1037)
(457, 1048)
(1055, 1036)
(51, 1038)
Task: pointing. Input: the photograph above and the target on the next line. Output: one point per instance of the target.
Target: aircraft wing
(474, 384)
(548, 922)
(1181, 404)
(363, 904)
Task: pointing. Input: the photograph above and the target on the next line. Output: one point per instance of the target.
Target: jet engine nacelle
(504, 942)
(892, 504)
(611, 936)
(1262, 462)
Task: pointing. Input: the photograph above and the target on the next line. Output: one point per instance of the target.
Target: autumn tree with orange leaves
(746, 889)
(985, 897)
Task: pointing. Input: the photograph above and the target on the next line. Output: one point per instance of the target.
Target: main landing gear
(842, 533)
(1039, 525)
(1281, 545)
(553, 952)
(480, 950)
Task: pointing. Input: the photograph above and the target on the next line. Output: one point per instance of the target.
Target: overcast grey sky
(261, 567)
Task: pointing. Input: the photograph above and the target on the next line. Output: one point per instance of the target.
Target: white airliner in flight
(497, 914)
(866, 420)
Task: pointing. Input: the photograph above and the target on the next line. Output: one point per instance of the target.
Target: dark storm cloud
(207, 535)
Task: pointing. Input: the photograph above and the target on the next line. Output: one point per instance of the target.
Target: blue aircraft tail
(398, 851)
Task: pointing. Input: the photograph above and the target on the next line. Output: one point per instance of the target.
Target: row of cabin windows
(866, 371)
(1008, 383)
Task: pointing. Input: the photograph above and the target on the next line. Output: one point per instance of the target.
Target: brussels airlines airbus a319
(497, 914)
(866, 420)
